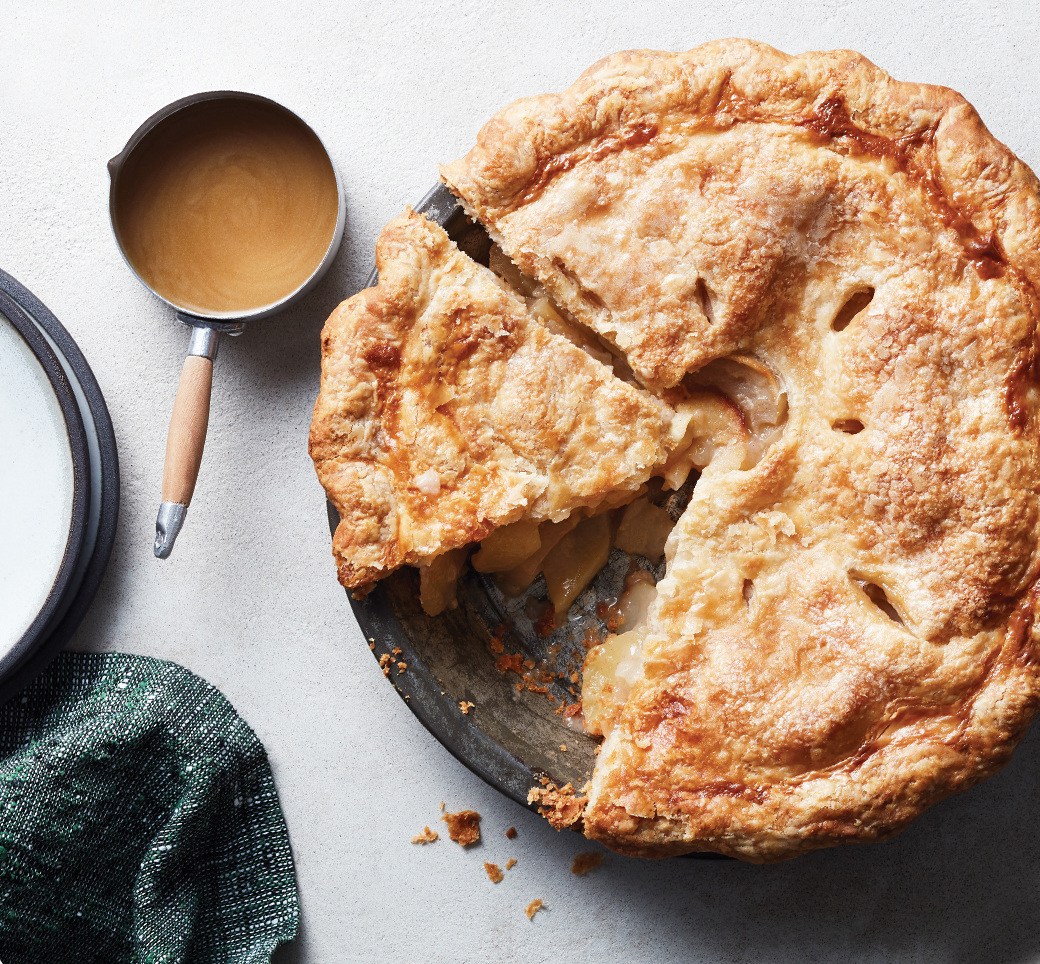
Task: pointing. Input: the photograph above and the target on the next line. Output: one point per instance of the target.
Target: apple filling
(612, 667)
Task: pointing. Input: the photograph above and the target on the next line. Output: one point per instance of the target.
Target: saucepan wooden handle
(186, 438)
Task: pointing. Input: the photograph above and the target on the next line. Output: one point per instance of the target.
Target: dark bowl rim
(81, 481)
(15, 678)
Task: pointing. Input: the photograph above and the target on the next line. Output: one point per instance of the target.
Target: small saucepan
(227, 206)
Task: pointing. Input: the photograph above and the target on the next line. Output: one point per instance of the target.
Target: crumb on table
(427, 836)
(533, 908)
(494, 872)
(511, 833)
(463, 827)
(466, 707)
(510, 863)
(583, 863)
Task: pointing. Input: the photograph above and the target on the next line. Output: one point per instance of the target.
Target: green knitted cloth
(138, 821)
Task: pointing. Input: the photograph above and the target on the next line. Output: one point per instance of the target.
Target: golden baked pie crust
(846, 631)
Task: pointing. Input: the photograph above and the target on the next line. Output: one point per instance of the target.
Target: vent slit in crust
(879, 597)
(856, 304)
(706, 300)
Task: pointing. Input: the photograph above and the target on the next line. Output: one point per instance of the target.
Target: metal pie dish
(96, 487)
(510, 738)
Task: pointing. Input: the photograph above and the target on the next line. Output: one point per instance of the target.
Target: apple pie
(815, 285)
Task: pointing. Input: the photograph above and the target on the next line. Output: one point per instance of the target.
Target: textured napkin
(138, 821)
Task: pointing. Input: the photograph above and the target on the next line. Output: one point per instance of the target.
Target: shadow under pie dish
(803, 291)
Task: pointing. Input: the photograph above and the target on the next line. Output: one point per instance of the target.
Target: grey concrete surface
(249, 599)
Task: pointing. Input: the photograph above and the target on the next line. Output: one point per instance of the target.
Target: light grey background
(249, 599)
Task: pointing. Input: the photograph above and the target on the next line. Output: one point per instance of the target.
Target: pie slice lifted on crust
(846, 631)
(447, 409)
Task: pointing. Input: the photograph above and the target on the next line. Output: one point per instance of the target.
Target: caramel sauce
(226, 207)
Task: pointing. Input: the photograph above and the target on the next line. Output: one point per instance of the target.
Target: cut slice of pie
(448, 409)
(846, 633)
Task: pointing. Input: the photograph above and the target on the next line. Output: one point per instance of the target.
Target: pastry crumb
(533, 908)
(510, 863)
(463, 827)
(494, 872)
(563, 746)
(583, 863)
(511, 833)
(497, 644)
(442, 805)
(427, 836)
(508, 662)
(558, 805)
(466, 707)
(372, 646)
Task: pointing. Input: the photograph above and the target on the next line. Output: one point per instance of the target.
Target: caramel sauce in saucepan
(227, 206)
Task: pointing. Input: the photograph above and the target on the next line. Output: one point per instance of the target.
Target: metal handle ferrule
(167, 524)
(204, 342)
